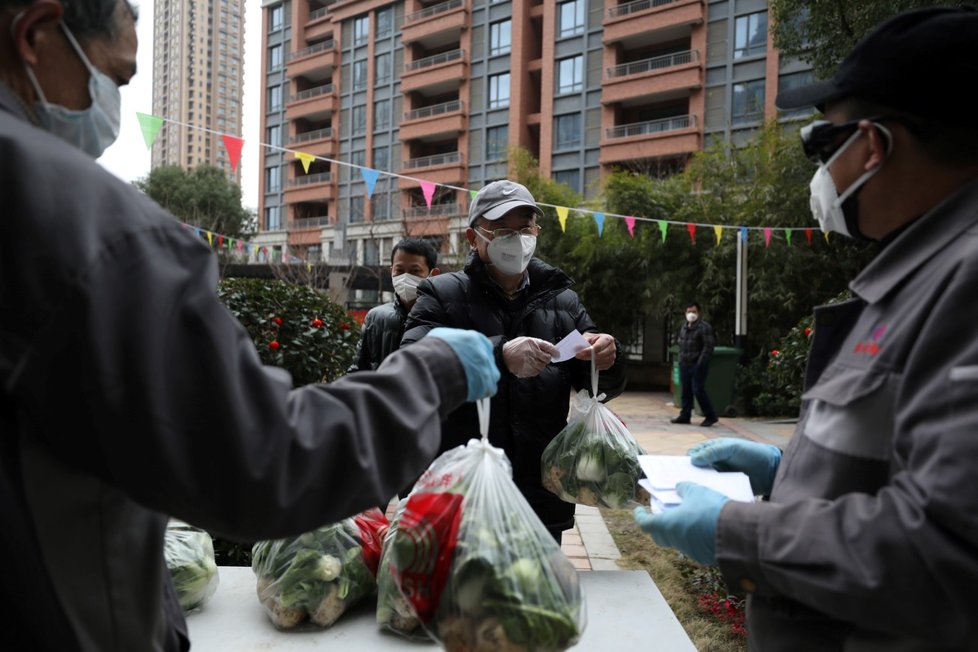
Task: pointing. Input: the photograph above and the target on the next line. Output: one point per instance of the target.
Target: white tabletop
(625, 611)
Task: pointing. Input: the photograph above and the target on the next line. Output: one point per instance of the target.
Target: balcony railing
(312, 135)
(434, 109)
(322, 46)
(318, 13)
(433, 10)
(436, 210)
(638, 5)
(427, 62)
(312, 92)
(655, 63)
(652, 127)
(429, 161)
(308, 179)
(309, 222)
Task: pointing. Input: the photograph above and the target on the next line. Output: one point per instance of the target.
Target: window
(275, 17)
(274, 137)
(382, 69)
(382, 114)
(748, 102)
(496, 144)
(275, 57)
(570, 18)
(359, 75)
(361, 30)
(794, 80)
(275, 98)
(356, 209)
(569, 177)
(273, 218)
(380, 206)
(273, 179)
(359, 120)
(385, 22)
(381, 159)
(500, 37)
(570, 75)
(750, 35)
(499, 91)
(567, 132)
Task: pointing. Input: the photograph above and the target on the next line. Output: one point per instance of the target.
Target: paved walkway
(589, 545)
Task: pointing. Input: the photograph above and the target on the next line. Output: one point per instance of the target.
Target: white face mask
(93, 129)
(511, 255)
(406, 286)
(827, 205)
(691, 317)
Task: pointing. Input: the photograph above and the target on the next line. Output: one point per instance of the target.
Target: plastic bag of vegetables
(476, 565)
(394, 612)
(315, 577)
(594, 459)
(189, 554)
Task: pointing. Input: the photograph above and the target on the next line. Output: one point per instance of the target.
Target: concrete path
(589, 545)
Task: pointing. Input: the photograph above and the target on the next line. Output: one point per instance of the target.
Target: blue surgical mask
(93, 129)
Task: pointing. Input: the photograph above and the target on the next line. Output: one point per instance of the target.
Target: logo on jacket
(872, 346)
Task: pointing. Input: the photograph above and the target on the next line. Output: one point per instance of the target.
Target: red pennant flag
(808, 234)
(630, 223)
(220, 241)
(233, 145)
(692, 232)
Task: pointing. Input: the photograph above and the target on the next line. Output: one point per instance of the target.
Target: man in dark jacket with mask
(524, 306)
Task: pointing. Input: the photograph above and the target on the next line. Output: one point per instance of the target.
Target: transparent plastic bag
(315, 577)
(394, 612)
(594, 459)
(189, 555)
(476, 565)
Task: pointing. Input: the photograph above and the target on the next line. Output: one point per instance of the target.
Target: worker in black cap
(867, 539)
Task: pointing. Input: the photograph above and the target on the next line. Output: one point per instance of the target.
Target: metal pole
(740, 325)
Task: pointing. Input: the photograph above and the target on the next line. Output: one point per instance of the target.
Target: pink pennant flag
(630, 223)
(428, 188)
(767, 236)
(692, 232)
(233, 145)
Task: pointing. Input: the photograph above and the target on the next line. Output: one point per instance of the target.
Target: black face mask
(850, 211)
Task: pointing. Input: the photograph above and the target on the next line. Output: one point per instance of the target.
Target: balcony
(436, 25)
(315, 62)
(319, 24)
(438, 73)
(672, 75)
(438, 120)
(313, 104)
(321, 142)
(648, 140)
(445, 169)
(310, 188)
(637, 20)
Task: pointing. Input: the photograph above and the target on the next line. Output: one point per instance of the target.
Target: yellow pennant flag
(718, 230)
(826, 234)
(210, 238)
(306, 160)
(562, 216)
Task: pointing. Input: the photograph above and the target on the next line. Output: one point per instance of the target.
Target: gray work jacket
(870, 539)
(128, 393)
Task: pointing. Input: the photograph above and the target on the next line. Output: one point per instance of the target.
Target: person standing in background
(696, 344)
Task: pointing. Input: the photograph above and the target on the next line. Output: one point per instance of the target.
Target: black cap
(921, 62)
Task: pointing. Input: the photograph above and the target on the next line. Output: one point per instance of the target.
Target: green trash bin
(719, 380)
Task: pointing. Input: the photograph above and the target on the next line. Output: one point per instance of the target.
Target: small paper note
(664, 472)
(570, 345)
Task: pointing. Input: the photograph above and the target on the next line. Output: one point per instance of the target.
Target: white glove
(526, 357)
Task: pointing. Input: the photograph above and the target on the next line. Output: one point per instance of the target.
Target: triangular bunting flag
(150, 126)
(743, 234)
(370, 178)
(562, 217)
(428, 189)
(220, 241)
(826, 234)
(239, 246)
(808, 235)
(599, 220)
(662, 227)
(308, 267)
(630, 223)
(767, 236)
(692, 232)
(306, 160)
(787, 236)
(233, 145)
(210, 238)
(718, 231)
(472, 194)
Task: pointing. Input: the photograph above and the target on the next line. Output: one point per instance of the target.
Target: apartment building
(438, 91)
(197, 80)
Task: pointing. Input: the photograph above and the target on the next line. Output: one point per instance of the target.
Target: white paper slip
(664, 472)
(570, 345)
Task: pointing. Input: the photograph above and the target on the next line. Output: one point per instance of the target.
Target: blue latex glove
(759, 461)
(691, 526)
(474, 350)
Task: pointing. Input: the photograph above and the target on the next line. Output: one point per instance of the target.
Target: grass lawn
(684, 584)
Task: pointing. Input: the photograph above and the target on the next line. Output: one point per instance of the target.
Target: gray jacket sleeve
(157, 389)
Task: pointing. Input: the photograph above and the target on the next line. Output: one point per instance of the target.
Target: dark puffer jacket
(526, 413)
(381, 335)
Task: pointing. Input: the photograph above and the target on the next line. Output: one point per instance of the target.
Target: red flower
(775, 353)
(345, 326)
(273, 345)
(317, 323)
(277, 320)
(808, 332)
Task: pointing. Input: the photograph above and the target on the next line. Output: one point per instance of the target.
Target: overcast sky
(129, 158)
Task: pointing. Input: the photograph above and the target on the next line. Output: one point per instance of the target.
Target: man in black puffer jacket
(524, 306)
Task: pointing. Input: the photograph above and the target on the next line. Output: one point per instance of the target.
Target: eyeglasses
(509, 233)
(822, 138)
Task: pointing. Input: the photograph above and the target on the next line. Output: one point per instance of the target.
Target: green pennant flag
(150, 126)
(472, 194)
(662, 227)
(787, 236)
